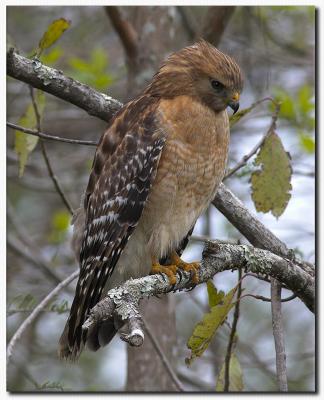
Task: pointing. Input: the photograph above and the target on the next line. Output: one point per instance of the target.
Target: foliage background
(277, 58)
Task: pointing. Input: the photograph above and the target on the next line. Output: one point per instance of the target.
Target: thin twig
(232, 334)
(51, 137)
(245, 159)
(262, 278)
(162, 356)
(54, 179)
(44, 152)
(28, 321)
(278, 334)
(304, 173)
(267, 299)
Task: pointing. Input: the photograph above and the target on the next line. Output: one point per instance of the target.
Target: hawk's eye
(216, 84)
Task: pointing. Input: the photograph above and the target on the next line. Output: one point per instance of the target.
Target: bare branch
(47, 161)
(188, 22)
(309, 174)
(51, 137)
(53, 81)
(55, 180)
(125, 30)
(232, 333)
(277, 327)
(28, 321)
(268, 299)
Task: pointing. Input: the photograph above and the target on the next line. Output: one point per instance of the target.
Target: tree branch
(188, 22)
(217, 18)
(52, 81)
(125, 30)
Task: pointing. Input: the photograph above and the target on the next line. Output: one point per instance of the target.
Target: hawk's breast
(191, 167)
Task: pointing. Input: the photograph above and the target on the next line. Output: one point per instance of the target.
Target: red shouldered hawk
(155, 171)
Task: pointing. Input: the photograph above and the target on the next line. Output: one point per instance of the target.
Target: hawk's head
(200, 71)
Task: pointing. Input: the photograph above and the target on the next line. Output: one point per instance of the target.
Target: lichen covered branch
(122, 303)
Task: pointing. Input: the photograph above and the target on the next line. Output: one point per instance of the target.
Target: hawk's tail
(98, 336)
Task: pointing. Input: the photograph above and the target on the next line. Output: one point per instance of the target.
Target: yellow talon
(193, 266)
(171, 270)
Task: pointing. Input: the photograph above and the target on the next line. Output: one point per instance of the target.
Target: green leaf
(54, 31)
(214, 297)
(60, 308)
(24, 143)
(305, 102)
(52, 56)
(307, 143)
(94, 71)
(99, 59)
(235, 376)
(206, 329)
(287, 106)
(79, 64)
(50, 386)
(271, 185)
(21, 303)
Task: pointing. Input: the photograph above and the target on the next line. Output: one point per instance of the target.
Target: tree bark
(160, 314)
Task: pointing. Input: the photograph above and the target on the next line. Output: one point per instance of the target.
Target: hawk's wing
(117, 191)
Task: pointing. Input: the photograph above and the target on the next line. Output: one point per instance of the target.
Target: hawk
(155, 171)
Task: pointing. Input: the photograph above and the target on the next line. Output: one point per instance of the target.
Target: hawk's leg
(171, 270)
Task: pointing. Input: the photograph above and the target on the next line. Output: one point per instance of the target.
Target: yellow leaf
(271, 185)
(214, 297)
(24, 143)
(235, 376)
(206, 329)
(53, 33)
(60, 224)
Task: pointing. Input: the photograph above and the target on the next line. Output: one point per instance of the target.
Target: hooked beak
(234, 103)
